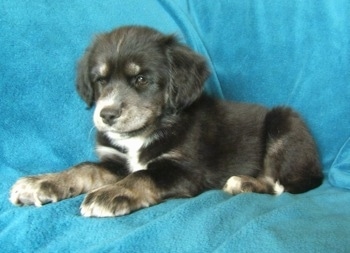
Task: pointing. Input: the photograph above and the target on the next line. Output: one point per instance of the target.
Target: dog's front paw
(36, 190)
(113, 200)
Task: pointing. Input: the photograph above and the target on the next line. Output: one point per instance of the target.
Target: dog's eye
(141, 81)
(101, 81)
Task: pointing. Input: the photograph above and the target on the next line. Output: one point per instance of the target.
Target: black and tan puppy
(159, 136)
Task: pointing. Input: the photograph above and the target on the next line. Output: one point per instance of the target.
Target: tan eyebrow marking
(132, 69)
(103, 69)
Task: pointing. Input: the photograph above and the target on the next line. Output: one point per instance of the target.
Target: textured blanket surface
(293, 53)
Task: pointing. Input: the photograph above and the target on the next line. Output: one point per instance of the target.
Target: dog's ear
(188, 72)
(83, 83)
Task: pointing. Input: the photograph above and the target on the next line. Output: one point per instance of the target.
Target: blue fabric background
(293, 53)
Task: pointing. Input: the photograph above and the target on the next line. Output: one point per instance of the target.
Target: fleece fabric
(294, 53)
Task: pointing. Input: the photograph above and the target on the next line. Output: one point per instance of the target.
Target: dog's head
(135, 75)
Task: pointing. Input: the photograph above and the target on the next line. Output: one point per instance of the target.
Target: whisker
(91, 131)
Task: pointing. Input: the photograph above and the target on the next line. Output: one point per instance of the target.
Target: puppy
(159, 136)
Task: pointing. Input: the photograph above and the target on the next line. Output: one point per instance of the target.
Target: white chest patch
(133, 145)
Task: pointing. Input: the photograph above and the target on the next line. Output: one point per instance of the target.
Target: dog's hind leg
(290, 161)
(290, 154)
(242, 184)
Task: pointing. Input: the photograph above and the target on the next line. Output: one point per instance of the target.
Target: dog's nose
(109, 115)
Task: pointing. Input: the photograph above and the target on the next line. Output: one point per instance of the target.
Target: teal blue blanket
(270, 52)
